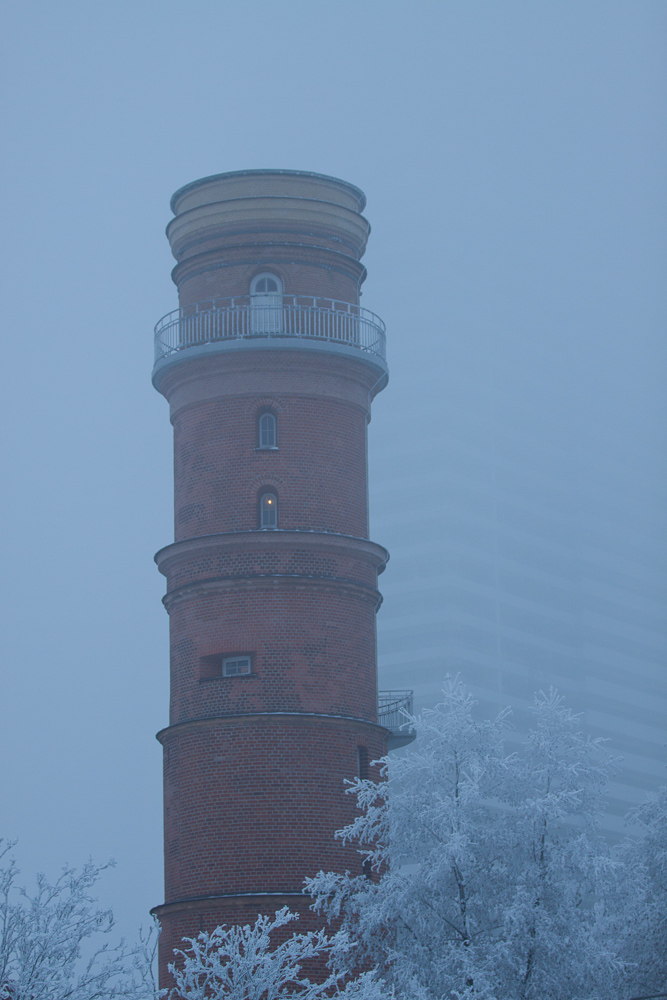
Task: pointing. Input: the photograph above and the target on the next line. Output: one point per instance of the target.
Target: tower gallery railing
(394, 711)
(394, 707)
(270, 316)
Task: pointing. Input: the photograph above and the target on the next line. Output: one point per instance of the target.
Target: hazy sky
(513, 155)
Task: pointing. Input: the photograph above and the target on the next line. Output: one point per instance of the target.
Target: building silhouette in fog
(524, 556)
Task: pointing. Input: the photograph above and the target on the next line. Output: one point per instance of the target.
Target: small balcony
(288, 320)
(394, 710)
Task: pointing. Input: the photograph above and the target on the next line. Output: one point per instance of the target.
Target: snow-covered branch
(246, 963)
(54, 942)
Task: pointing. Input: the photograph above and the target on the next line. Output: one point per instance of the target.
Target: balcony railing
(394, 708)
(287, 316)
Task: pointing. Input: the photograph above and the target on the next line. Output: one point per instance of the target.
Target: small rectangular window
(234, 666)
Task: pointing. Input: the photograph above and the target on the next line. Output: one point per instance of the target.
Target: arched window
(266, 304)
(268, 510)
(267, 430)
(265, 284)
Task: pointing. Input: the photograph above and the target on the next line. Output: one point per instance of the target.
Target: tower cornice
(276, 364)
(291, 718)
(262, 581)
(269, 179)
(203, 545)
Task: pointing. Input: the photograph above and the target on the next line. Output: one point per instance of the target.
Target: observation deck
(394, 711)
(293, 321)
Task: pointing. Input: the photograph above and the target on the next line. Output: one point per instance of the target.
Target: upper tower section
(229, 227)
(269, 259)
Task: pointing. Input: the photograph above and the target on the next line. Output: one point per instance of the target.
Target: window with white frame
(267, 431)
(235, 666)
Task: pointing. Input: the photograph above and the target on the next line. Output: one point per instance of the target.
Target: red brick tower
(269, 366)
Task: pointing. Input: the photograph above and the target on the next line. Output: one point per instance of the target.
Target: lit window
(234, 666)
(268, 510)
(267, 431)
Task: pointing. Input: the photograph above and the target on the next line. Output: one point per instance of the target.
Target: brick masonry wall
(270, 374)
(251, 805)
(233, 244)
(319, 274)
(312, 649)
(220, 263)
(240, 561)
(318, 470)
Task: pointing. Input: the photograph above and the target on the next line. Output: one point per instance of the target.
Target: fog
(513, 156)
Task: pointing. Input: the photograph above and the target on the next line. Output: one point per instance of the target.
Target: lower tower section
(250, 807)
(273, 709)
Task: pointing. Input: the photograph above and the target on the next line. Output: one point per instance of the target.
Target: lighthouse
(269, 366)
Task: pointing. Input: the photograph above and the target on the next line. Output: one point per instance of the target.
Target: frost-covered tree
(552, 934)
(54, 942)
(243, 963)
(642, 912)
(485, 865)
(434, 901)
